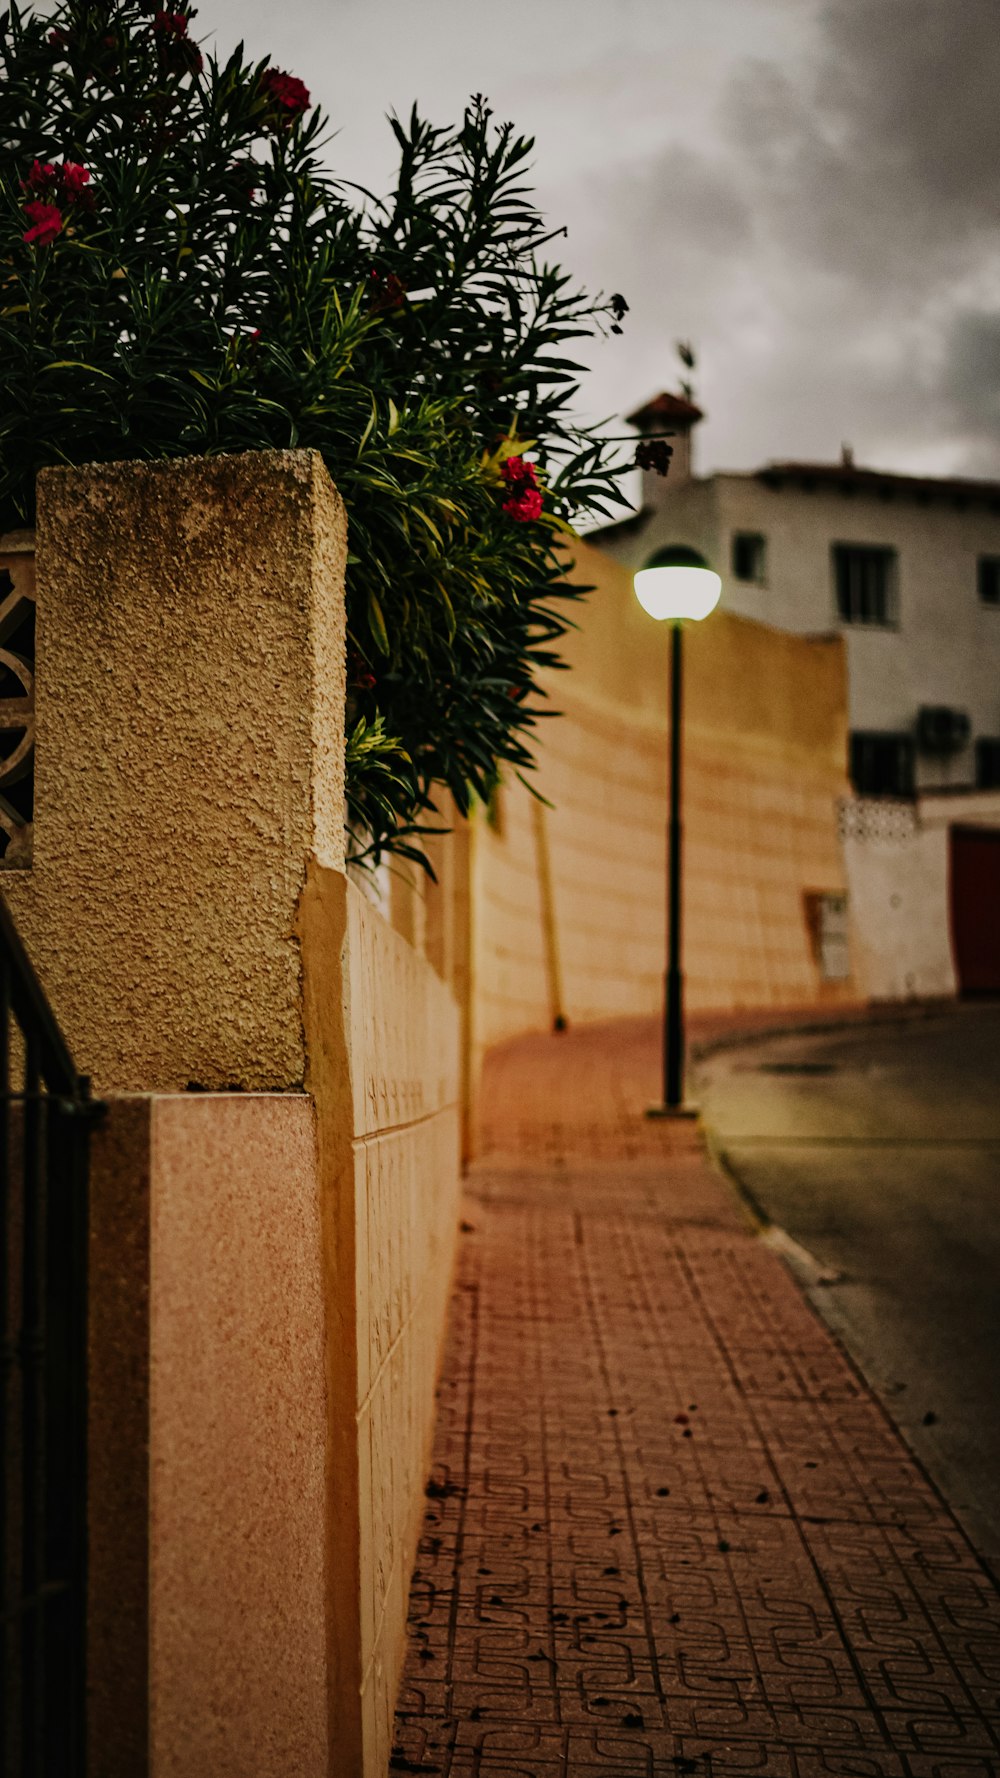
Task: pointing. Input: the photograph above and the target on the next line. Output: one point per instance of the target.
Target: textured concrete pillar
(190, 670)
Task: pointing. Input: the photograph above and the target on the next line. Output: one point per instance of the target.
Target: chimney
(676, 415)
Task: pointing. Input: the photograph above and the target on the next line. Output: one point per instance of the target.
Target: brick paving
(669, 1529)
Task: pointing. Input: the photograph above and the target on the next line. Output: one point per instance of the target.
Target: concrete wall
(272, 1268)
(765, 724)
(897, 862)
(384, 1071)
(209, 1533)
(271, 1277)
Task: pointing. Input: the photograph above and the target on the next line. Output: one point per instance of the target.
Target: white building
(906, 567)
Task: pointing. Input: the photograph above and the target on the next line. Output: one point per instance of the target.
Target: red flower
(177, 52)
(54, 185)
(60, 39)
(289, 96)
(524, 500)
(385, 292)
(46, 220)
(74, 178)
(41, 179)
(518, 472)
(524, 506)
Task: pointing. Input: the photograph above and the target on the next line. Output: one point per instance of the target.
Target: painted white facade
(943, 649)
(896, 859)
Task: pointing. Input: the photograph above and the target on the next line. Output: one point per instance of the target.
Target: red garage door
(975, 908)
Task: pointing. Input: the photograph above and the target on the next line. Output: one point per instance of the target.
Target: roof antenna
(847, 456)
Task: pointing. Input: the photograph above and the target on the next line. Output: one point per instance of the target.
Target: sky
(807, 190)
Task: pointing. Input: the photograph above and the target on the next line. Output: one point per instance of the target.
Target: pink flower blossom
(518, 472)
(41, 178)
(177, 52)
(74, 178)
(524, 506)
(46, 220)
(52, 186)
(288, 94)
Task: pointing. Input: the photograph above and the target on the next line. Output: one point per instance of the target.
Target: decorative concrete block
(189, 761)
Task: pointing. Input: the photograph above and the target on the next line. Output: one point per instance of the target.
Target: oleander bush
(180, 273)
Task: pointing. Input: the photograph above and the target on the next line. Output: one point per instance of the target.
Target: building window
(881, 764)
(826, 920)
(865, 582)
(989, 580)
(988, 763)
(749, 556)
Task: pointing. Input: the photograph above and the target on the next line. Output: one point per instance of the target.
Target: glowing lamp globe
(677, 584)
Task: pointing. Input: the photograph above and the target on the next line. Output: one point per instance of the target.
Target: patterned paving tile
(668, 1530)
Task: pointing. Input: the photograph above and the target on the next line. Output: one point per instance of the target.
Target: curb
(813, 1024)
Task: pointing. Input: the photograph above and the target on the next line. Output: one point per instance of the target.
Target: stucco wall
(384, 1070)
(897, 863)
(765, 723)
(238, 1441)
(273, 1274)
(190, 673)
(208, 1441)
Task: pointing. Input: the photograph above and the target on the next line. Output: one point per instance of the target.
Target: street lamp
(676, 586)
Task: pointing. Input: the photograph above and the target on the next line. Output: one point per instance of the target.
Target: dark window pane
(749, 556)
(882, 764)
(863, 580)
(988, 763)
(989, 579)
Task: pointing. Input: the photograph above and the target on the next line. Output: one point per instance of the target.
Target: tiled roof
(664, 408)
(850, 478)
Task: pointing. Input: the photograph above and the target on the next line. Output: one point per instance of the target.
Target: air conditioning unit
(940, 730)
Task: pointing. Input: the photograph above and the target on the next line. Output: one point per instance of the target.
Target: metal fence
(45, 1117)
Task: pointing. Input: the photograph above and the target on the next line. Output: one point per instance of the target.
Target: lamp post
(676, 586)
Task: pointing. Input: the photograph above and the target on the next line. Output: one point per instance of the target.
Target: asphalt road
(877, 1149)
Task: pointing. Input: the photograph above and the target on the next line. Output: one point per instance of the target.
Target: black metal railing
(44, 1138)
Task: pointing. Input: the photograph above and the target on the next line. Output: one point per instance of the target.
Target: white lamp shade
(678, 591)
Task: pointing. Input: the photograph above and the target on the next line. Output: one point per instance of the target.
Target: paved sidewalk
(669, 1530)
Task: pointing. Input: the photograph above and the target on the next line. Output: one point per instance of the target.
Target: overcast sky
(807, 189)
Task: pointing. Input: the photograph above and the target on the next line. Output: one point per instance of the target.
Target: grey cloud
(914, 84)
(971, 378)
(807, 188)
(882, 162)
(660, 230)
(873, 177)
(680, 203)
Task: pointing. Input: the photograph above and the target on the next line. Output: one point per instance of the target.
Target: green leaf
(377, 623)
(76, 364)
